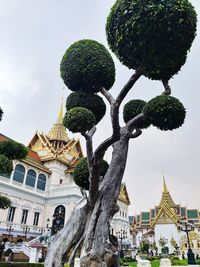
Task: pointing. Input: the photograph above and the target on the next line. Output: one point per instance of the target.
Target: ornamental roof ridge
(166, 197)
(58, 131)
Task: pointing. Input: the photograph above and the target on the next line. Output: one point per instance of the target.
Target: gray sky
(34, 37)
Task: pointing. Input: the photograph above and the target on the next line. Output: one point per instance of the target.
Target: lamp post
(187, 226)
(121, 235)
(9, 230)
(26, 230)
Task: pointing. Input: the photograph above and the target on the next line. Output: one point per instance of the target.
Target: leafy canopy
(87, 66)
(79, 120)
(132, 109)
(87, 100)
(13, 150)
(154, 34)
(81, 172)
(4, 202)
(165, 112)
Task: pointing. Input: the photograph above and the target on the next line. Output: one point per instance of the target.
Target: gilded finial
(164, 186)
(60, 114)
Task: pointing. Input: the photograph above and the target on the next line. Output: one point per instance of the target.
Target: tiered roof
(167, 212)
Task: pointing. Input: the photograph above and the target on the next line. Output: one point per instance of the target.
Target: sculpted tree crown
(87, 66)
(81, 172)
(87, 100)
(165, 112)
(79, 120)
(134, 108)
(154, 34)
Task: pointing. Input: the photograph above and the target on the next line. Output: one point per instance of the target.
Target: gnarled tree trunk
(97, 246)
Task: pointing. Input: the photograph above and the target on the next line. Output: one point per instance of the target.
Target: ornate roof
(166, 212)
(57, 145)
(123, 195)
(58, 131)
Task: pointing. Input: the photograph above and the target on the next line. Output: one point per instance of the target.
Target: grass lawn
(153, 264)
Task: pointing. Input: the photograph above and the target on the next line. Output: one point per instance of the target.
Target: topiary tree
(153, 38)
(9, 150)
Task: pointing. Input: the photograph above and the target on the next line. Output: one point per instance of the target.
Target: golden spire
(166, 197)
(58, 131)
(164, 186)
(60, 114)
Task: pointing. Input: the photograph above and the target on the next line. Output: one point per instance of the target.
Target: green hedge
(179, 262)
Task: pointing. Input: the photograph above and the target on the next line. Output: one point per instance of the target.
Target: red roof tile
(34, 155)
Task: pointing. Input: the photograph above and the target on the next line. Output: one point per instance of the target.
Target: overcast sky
(34, 36)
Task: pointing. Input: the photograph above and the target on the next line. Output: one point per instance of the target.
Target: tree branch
(107, 95)
(128, 86)
(167, 88)
(73, 254)
(89, 145)
(137, 133)
(100, 151)
(130, 124)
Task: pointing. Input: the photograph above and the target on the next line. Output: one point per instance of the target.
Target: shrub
(6, 165)
(79, 120)
(87, 100)
(87, 66)
(153, 33)
(132, 109)
(81, 173)
(179, 262)
(4, 202)
(13, 150)
(165, 112)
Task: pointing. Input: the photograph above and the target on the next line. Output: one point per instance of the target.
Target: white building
(41, 187)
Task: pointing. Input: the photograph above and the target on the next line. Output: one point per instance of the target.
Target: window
(11, 213)
(41, 183)
(24, 216)
(36, 218)
(30, 178)
(61, 181)
(19, 173)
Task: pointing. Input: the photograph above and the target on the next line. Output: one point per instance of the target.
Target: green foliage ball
(5, 202)
(1, 113)
(155, 34)
(87, 100)
(87, 66)
(81, 173)
(6, 165)
(165, 112)
(79, 120)
(13, 150)
(132, 109)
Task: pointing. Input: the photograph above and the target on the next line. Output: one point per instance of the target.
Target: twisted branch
(167, 88)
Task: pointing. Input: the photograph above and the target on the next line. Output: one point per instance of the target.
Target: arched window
(30, 178)
(19, 173)
(41, 183)
(58, 219)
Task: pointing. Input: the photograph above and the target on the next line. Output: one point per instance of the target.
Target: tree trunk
(93, 224)
(98, 251)
(67, 238)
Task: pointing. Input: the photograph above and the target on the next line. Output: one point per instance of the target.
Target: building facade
(42, 189)
(159, 226)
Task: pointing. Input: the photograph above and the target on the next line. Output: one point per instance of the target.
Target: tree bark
(98, 251)
(67, 238)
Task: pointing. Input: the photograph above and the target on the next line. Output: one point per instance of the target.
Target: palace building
(42, 189)
(159, 225)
